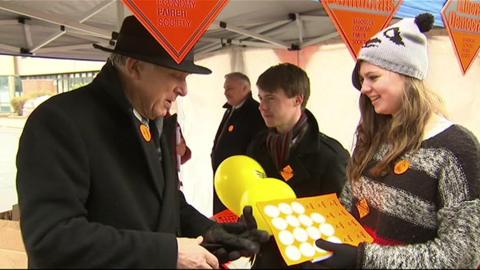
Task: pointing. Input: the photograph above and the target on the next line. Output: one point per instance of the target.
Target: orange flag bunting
(176, 24)
(357, 21)
(462, 20)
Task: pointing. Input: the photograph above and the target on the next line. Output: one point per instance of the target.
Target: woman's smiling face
(384, 88)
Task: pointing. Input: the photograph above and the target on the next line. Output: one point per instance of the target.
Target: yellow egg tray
(297, 223)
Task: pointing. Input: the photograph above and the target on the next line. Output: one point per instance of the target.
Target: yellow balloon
(233, 176)
(266, 189)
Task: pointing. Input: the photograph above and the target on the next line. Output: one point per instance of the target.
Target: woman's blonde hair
(401, 133)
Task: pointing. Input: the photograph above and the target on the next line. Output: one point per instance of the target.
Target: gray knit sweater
(427, 216)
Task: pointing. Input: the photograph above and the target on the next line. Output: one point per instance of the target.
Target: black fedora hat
(135, 41)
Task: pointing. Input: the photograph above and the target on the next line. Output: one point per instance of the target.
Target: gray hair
(238, 76)
(117, 59)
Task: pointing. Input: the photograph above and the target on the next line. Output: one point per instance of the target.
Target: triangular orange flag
(176, 24)
(461, 18)
(357, 21)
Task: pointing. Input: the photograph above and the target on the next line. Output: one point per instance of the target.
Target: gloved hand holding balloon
(241, 181)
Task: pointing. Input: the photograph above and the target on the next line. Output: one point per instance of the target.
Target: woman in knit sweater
(414, 176)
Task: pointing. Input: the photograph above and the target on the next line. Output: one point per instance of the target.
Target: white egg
(327, 229)
(318, 218)
(285, 208)
(293, 253)
(313, 232)
(279, 223)
(305, 220)
(286, 237)
(298, 207)
(293, 221)
(271, 211)
(300, 234)
(307, 249)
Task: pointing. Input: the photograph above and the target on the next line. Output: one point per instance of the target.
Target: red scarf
(280, 145)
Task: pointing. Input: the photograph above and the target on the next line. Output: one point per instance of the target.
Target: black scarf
(280, 145)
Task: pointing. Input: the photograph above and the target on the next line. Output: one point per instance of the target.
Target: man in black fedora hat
(97, 184)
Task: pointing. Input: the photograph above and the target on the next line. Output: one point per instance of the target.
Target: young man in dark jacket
(97, 185)
(293, 149)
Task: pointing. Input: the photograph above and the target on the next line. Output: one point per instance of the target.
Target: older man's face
(157, 89)
(236, 91)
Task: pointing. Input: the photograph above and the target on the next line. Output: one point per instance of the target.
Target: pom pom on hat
(424, 22)
(401, 48)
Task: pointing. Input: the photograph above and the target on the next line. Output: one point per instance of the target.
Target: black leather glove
(344, 255)
(230, 241)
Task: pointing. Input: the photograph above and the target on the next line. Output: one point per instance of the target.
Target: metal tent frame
(67, 28)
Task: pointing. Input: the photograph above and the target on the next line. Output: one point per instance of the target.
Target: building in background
(26, 78)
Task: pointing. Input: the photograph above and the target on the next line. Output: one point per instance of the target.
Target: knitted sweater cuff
(360, 256)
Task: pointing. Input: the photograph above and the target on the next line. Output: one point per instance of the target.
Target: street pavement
(10, 130)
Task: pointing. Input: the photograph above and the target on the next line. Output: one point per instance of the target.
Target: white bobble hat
(401, 48)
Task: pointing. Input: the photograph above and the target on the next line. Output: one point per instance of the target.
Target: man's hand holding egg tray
(230, 241)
